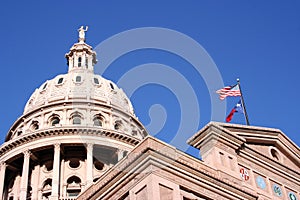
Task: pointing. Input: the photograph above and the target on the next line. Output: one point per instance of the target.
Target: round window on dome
(60, 81)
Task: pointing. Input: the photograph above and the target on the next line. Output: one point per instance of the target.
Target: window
(117, 126)
(97, 122)
(78, 79)
(96, 81)
(76, 119)
(34, 126)
(86, 62)
(111, 86)
(73, 186)
(44, 87)
(54, 121)
(79, 61)
(98, 165)
(275, 154)
(60, 80)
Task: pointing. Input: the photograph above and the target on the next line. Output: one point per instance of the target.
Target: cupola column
(89, 164)
(25, 173)
(56, 170)
(2, 177)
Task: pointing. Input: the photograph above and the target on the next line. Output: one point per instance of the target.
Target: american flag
(232, 91)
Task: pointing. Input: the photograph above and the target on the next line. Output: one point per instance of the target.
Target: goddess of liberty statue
(82, 31)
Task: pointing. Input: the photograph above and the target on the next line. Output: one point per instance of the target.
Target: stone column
(55, 178)
(89, 164)
(25, 173)
(2, 177)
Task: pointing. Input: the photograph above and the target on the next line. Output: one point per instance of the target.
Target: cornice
(61, 131)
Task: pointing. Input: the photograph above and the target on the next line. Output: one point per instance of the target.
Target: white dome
(79, 85)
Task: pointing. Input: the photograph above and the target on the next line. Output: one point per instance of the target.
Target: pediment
(268, 142)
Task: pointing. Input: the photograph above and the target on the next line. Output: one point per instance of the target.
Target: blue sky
(256, 41)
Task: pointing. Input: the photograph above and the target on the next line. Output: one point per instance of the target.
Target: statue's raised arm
(82, 31)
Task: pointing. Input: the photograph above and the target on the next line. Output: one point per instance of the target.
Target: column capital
(56, 146)
(27, 153)
(89, 145)
(2, 164)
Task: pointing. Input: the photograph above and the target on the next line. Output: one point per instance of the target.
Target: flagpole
(243, 103)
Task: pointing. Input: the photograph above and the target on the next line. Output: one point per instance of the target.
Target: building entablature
(66, 135)
(173, 167)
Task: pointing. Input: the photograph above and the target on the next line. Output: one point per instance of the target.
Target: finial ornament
(82, 31)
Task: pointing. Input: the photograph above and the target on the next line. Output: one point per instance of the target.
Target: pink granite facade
(238, 162)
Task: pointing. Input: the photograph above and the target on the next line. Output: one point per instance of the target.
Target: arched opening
(54, 120)
(76, 119)
(118, 125)
(73, 186)
(46, 189)
(34, 126)
(98, 120)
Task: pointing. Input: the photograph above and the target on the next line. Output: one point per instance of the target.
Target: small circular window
(275, 154)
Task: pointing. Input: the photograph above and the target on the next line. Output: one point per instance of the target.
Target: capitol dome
(73, 129)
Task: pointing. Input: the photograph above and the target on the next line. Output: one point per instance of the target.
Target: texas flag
(238, 108)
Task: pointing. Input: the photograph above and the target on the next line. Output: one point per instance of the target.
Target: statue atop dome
(82, 31)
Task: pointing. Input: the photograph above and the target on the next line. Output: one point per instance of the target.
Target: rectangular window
(79, 62)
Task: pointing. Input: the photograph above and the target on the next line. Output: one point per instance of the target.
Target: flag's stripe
(229, 91)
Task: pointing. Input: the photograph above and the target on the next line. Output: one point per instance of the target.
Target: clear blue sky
(256, 41)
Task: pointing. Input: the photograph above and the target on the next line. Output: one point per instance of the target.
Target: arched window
(34, 126)
(73, 186)
(79, 61)
(117, 125)
(98, 120)
(47, 187)
(76, 119)
(54, 120)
